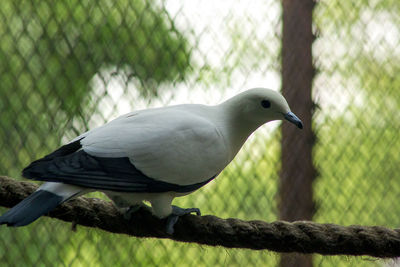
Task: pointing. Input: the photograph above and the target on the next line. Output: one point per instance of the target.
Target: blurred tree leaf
(50, 51)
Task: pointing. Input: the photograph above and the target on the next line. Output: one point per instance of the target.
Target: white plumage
(154, 154)
(168, 144)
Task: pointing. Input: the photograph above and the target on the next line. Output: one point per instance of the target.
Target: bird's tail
(41, 202)
(31, 208)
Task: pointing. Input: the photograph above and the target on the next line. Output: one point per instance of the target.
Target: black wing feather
(71, 165)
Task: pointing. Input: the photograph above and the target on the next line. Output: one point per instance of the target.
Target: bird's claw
(180, 211)
(176, 213)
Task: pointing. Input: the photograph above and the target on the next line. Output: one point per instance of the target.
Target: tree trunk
(298, 173)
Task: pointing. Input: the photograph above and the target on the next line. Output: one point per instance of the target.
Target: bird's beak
(294, 119)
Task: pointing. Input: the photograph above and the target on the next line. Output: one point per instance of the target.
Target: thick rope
(301, 236)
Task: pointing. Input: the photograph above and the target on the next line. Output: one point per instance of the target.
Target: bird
(152, 155)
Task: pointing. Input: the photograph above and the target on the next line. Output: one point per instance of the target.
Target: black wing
(72, 165)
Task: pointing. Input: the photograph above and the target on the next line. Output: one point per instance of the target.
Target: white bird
(150, 155)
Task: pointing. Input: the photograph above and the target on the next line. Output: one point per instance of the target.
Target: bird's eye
(266, 104)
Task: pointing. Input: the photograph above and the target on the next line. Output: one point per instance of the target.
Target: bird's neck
(234, 126)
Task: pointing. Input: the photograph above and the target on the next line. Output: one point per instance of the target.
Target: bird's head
(260, 105)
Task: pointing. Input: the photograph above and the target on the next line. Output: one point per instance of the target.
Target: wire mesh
(69, 66)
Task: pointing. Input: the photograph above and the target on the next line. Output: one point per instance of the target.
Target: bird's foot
(176, 213)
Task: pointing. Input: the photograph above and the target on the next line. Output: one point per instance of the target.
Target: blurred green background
(68, 66)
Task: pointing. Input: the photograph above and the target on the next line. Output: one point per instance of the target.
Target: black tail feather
(28, 210)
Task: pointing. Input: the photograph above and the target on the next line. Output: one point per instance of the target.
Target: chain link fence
(69, 66)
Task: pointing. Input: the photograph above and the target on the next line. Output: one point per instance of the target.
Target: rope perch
(300, 236)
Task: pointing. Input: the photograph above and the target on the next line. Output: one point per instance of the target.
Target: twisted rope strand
(279, 236)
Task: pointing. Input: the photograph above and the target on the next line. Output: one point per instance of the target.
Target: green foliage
(340, 16)
(50, 51)
(361, 173)
(357, 157)
(357, 150)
